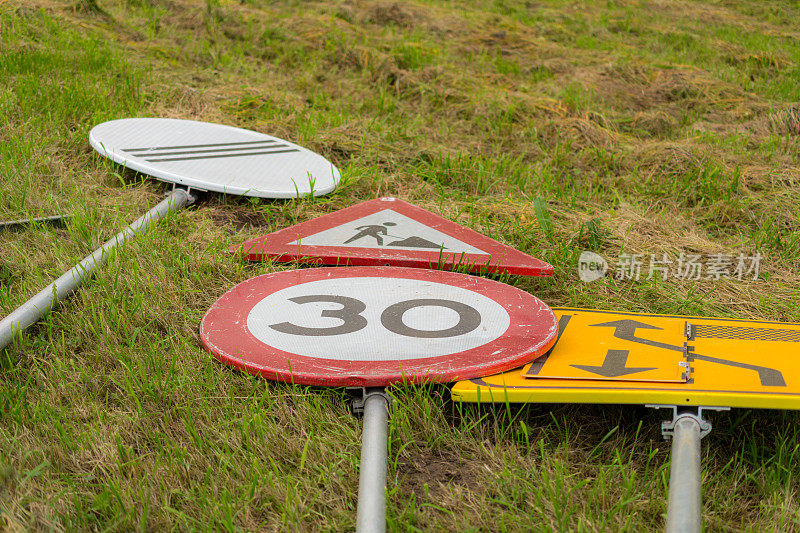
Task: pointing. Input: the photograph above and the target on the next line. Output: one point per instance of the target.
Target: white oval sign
(214, 157)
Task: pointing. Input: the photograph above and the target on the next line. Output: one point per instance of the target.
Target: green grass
(553, 127)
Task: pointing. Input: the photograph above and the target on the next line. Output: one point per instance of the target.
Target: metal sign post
(374, 405)
(192, 155)
(37, 307)
(369, 327)
(55, 220)
(684, 509)
(685, 506)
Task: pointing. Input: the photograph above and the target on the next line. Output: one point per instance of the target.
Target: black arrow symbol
(626, 330)
(613, 365)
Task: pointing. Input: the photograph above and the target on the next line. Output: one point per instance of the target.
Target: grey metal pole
(372, 477)
(684, 508)
(15, 224)
(34, 309)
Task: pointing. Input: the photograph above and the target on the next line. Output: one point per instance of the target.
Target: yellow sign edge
(481, 392)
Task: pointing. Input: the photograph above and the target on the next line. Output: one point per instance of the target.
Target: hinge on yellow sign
(690, 330)
(688, 353)
(686, 364)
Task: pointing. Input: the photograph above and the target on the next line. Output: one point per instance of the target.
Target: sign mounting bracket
(687, 427)
(190, 192)
(374, 405)
(362, 394)
(682, 412)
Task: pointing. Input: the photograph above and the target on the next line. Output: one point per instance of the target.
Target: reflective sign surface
(372, 326)
(734, 363)
(619, 349)
(214, 157)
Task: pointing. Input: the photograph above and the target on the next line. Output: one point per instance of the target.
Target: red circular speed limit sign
(373, 326)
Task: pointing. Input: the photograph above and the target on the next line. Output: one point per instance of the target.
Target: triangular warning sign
(388, 231)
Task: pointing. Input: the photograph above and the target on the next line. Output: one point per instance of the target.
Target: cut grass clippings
(557, 127)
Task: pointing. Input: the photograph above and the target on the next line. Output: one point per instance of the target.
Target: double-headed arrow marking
(614, 364)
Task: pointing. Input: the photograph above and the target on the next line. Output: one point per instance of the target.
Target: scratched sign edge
(458, 365)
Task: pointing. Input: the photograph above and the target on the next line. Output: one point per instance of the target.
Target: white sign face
(374, 326)
(214, 157)
(376, 319)
(391, 230)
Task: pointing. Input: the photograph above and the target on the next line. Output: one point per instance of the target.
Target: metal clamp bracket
(686, 364)
(191, 193)
(688, 354)
(362, 393)
(694, 413)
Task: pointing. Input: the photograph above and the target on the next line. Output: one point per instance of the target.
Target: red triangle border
(501, 258)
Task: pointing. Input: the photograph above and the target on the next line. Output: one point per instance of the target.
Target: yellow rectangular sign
(733, 363)
(615, 348)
